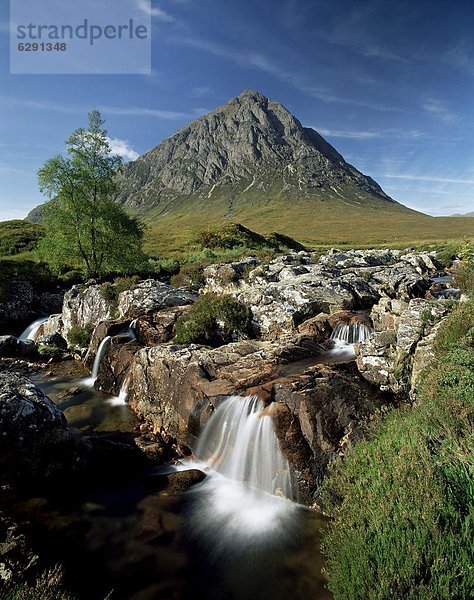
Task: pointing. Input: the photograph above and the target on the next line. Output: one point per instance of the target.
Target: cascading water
(131, 329)
(237, 524)
(31, 331)
(240, 443)
(121, 399)
(97, 360)
(352, 333)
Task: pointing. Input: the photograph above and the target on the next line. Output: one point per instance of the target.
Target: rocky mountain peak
(249, 145)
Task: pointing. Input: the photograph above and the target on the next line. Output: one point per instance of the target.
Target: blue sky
(388, 83)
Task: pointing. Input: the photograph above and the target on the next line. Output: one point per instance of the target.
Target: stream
(138, 537)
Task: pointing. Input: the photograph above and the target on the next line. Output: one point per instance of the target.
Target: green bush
(403, 502)
(50, 352)
(164, 267)
(214, 320)
(80, 336)
(229, 235)
(110, 292)
(190, 275)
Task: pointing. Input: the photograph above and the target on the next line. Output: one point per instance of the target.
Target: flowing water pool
(232, 535)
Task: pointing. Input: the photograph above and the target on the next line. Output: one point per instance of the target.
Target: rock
(24, 303)
(176, 387)
(84, 305)
(160, 327)
(151, 296)
(78, 415)
(319, 415)
(291, 289)
(115, 365)
(174, 484)
(227, 277)
(100, 458)
(53, 325)
(386, 358)
(52, 339)
(423, 358)
(35, 443)
(153, 447)
(28, 348)
(17, 559)
(9, 346)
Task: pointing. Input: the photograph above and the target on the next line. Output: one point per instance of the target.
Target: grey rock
(83, 305)
(35, 442)
(151, 296)
(52, 339)
(387, 358)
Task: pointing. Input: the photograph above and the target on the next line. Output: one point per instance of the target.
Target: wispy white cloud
(200, 92)
(122, 148)
(459, 56)
(260, 61)
(439, 109)
(370, 134)
(140, 111)
(200, 111)
(147, 7)
(133, 111)
(429, 178)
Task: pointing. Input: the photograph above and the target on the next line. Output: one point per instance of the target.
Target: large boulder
(319, 415)
(151, 296)
(386, 358)
(35, 443)
(84, 305)
(11, 347)
(24, 303)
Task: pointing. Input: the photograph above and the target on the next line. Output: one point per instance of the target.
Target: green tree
(83, 224)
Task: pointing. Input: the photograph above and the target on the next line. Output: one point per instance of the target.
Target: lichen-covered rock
(84, 305)
(17, 558)
(292, 288)
(386, 359)
(53, 325)
(35, 442)
(151, 296)
(23, 303)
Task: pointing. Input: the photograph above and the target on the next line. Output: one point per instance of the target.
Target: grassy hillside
(311, 221)
(18, 237)
(403, 502)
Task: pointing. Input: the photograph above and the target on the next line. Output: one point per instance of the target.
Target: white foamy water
(121, 399)
(240, 443)
(31, 331)
(352, 333)
(89, 381)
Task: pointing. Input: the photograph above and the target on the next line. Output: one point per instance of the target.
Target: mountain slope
(249, 151)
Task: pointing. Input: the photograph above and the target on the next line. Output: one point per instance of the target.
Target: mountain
(251, 162)
(251, 151)
(469, 214)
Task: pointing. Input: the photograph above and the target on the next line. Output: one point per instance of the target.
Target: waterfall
(240, 443)
(31, 331)
(131, 330)
(352, 333)
(97, 360)
(121, 399)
